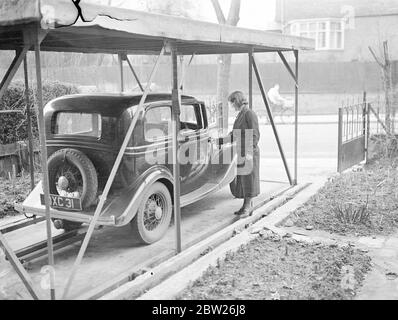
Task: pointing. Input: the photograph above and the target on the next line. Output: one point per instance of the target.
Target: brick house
(343, 29)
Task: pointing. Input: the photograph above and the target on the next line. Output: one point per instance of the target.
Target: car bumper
(32, 205)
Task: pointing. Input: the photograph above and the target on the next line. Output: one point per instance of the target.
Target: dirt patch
(372, 192)
(14, 192)
(272, 268)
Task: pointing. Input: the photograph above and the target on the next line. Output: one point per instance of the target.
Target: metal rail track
(39, 249)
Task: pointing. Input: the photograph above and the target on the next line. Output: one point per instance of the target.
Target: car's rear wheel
(72, 174)
(154, 214)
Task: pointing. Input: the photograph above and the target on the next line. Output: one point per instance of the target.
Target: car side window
(190, 118)
(157, 123)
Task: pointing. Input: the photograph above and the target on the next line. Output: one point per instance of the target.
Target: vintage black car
(84, 135)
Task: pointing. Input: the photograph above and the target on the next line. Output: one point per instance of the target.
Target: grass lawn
(372, 191)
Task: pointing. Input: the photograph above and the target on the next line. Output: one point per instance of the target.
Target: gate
(352, 135)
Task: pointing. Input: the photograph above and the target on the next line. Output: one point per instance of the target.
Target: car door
(194, 151)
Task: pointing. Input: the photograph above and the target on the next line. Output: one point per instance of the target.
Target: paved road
(315, 141)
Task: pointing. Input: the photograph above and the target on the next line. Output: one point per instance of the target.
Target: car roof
(107, 104)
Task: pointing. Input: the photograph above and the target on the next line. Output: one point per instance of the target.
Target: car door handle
(182, 138)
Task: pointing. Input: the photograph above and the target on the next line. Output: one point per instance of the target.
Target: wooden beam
(271, 120)
(44, 165)
(121, 72)
(29, 127)
(296, 112)
(12, 70)
(134, 73)
(289, 69)
(251, 78)
(176, 111)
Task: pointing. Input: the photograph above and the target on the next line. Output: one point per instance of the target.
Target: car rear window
(81, 124)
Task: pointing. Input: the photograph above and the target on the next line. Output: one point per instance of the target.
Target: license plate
(59, 202)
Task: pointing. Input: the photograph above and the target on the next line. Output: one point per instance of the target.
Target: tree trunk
(224, 63)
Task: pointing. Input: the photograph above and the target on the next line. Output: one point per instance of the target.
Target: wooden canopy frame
(70, 26)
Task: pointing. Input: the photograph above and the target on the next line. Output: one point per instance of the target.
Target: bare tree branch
(233, 15)
(386, 56)
(220, 15)
(376, 58)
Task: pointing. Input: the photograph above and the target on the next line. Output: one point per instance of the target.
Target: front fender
(131, 198)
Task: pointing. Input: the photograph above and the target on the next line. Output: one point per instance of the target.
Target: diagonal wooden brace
(12, 70)
(271, 120)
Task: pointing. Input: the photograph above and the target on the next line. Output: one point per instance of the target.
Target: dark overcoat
(247, 186)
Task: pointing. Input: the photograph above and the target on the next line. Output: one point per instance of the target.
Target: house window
(328, 34)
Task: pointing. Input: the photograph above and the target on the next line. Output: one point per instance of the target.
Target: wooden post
(120, 58)
(296, 112)
(364, 124)
(251, 78)
(340, 139)
(176, 111)
(29, 120)
(43, 151)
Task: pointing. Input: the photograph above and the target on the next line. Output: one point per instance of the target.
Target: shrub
(13, 126)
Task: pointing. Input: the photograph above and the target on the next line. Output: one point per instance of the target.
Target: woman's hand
(249, 157)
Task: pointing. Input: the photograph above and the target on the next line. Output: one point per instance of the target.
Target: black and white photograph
(198, 158)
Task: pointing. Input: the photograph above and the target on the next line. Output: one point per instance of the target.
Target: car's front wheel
(154, 214)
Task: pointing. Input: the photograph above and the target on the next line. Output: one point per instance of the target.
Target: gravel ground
(271, 268)
(373, 188)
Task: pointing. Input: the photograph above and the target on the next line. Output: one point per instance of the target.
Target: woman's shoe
(247, 209)
(246, 212)
(238, 213)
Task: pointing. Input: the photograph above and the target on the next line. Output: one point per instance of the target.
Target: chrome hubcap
(63, 183)
(153, 212)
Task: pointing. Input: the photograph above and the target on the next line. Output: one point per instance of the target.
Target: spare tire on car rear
(72, 174)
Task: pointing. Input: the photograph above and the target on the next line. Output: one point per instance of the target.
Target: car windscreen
(81, 124)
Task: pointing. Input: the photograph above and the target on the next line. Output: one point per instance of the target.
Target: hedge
(13, 126)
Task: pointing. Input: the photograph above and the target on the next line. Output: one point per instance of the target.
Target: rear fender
(137, 191)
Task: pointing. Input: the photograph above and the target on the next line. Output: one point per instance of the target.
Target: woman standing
(247, 134)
